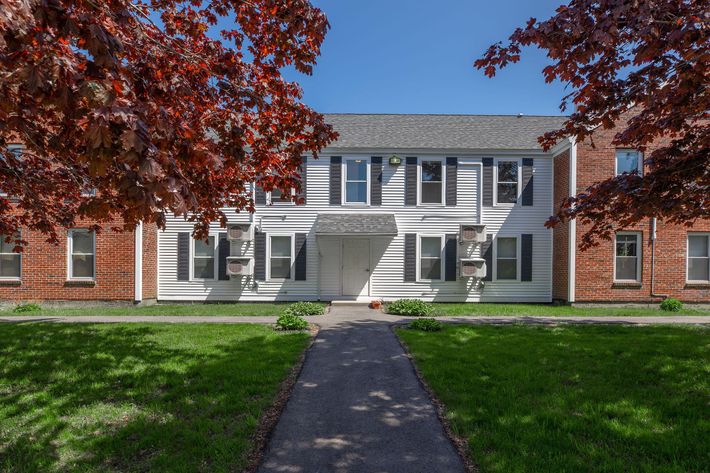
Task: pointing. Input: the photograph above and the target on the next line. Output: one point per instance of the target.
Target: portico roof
(356, 224)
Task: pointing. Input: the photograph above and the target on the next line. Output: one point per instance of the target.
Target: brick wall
(560, 234)
(44, 269)
(594, 267)
(150, 261)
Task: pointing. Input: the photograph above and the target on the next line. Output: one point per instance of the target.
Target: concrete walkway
(359, 407)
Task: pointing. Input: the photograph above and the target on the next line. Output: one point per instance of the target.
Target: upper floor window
(356, 181)
(627, 257)
(280, 256)
(203, 259)
(507, 258)
(17, 151)
(628, 162)
(699, 257)
(82, 254)
(10, 262)
(507, 182)
(430, 249)
(431, 182)
(276, 196)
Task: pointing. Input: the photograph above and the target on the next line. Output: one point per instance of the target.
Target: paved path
(358, 407)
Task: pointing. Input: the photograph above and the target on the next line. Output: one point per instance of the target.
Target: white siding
(387, 254)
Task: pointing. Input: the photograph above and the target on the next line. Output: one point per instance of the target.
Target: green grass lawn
(234, 309)
(573, 398)
(149, 397)
(454, 309)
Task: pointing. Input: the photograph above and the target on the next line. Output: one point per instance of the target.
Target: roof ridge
(523, 115)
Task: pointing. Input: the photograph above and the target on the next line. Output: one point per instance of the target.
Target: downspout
(138, 264)
(653, 260)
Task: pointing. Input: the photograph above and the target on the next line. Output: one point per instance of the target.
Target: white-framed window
(356, 177)
(82, 254)
(10, 262)
(628, 161)
(431, 181)
(507, 258)
(698, 257)
(431, 257)
(627, 257)
(15, 149)
(280, 253)
(276, 197)
(204, 265)
(507, 179)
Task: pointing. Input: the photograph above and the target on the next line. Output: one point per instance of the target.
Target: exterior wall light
(395, 160)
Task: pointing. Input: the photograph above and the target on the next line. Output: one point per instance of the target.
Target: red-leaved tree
(153, 106)
(649, 58)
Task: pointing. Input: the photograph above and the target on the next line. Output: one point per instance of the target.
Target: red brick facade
(560, 234)
(44, 274)
(594, 268)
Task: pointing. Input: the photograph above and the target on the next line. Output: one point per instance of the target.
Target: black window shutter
(526, 250)
(487, 254)
(260, 256)
(527, 196)
(410, 181)
(336, 176)
(301, 256)
(452, 168)
(303, 171)
(450, 255)
(223, 252)
(487, 198)
(410, 257)
(376, 181)
(259, 195)
(183, 256)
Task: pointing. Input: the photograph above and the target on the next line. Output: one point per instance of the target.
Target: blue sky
(416, 56)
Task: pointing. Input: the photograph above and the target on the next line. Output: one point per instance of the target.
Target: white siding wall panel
(387, 265)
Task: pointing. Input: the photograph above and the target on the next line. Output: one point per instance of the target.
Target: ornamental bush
(410, 307)
(425, 325)
(671, 305)
(291, 322)
(301, 309)
(22, 308)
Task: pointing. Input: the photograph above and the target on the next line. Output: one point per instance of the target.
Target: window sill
(626, 285)
(80, 283)
(10, 282)
(697, 285)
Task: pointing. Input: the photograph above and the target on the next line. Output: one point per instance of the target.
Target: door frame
(342, 267)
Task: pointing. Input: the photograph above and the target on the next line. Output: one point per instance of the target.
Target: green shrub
(671, 305)
(426, 325)
(410, 307)
(291, 322)
(301, 309)
(22, 308)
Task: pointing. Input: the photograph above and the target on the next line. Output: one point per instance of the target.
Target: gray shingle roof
(441, 131)
(356, 224)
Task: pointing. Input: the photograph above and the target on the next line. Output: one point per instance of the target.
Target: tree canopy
(153, 105)
(644, 58)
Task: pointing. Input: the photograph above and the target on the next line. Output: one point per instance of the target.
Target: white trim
(442, 161)
(70, 253)
(138, 263)
(193, 255)
(572, 248)
(19, 255)
(639, 256)
(344, 181)
(687, 257)
(518, 258)
(496, 161)
(269, 236)
(442, 244)
(639, 163)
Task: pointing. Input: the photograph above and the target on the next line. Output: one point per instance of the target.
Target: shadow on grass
(136, 398)
(573, 398)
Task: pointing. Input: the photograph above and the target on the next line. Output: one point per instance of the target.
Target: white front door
(356, 267)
